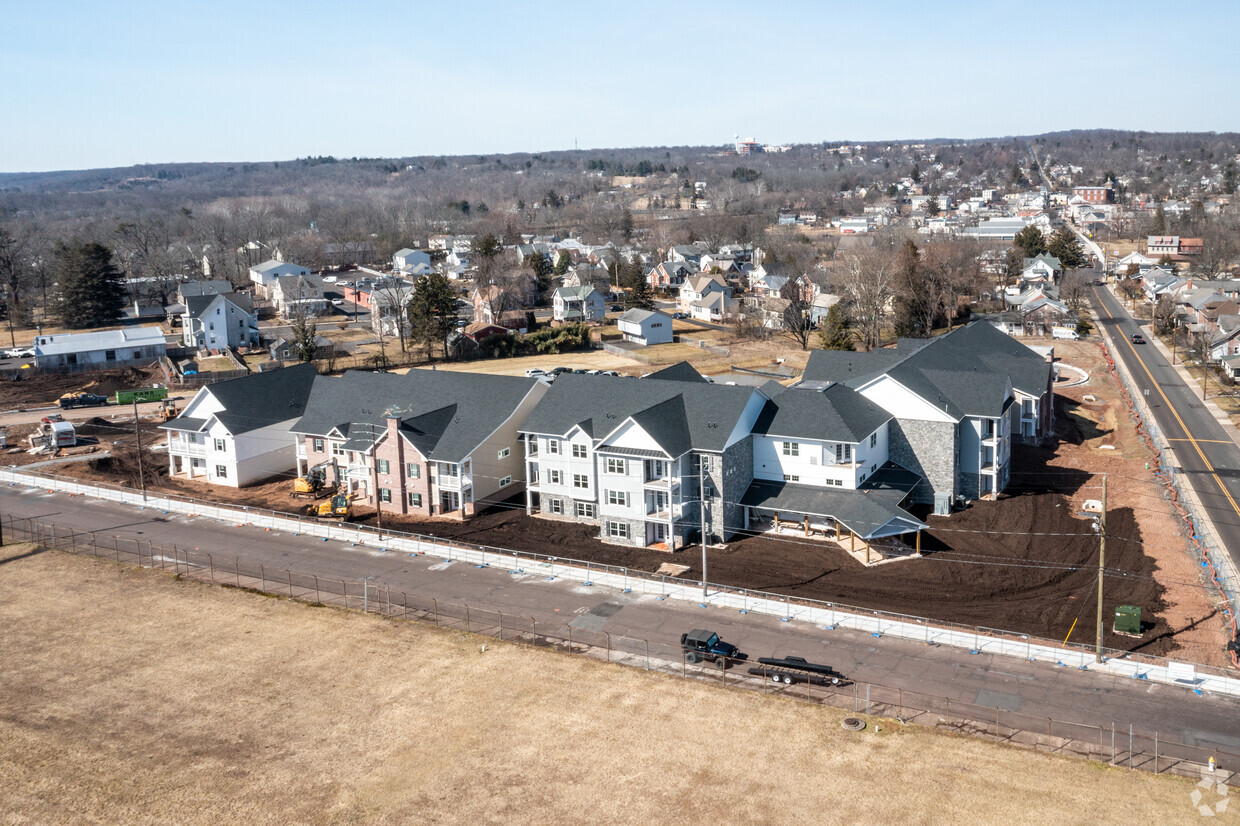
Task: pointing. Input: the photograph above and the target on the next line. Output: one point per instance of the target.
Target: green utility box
(1127, 619)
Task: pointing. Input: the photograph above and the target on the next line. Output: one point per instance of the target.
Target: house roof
(680, 371)
(67, 343)
(869, 514)
(965, 372)
(268, 266)
(214, 287)
(258, 400)
(678, 415)
(578, 293)
(836, 413)
(638, 316)
(196, 305)
(445, 414)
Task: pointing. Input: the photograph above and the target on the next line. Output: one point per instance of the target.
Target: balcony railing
(180, 448)
(454, 482)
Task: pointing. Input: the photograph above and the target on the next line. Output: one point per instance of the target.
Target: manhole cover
(853, 723)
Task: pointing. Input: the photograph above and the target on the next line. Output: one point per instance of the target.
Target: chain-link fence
(1121, 744)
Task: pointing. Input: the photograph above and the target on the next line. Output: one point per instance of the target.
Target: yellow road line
(1204, 441)
(1191, 439)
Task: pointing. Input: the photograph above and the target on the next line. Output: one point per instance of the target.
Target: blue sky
(90, 84)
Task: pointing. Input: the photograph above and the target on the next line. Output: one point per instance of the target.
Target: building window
(554, 477)
(843, 453)
(579, 451)
(619, 498)
(873, 439)
(616, 466)
(792, 449)
(505, 481)
(318, 445)
(704, 462)
(553, 445)
(221, 471)
(385, 495)
(580, 481)
(415, 500)
(619, 530)
(383, 466)
(504, 453)
(109, 355)
(338, 449)
(556, 506)
(791, 477)
(585, 510)
(412, 470)
(219, 445)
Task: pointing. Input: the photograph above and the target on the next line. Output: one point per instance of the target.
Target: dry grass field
(129, 697)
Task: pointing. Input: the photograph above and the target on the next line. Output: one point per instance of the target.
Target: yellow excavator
(338, 507)
(314, 483)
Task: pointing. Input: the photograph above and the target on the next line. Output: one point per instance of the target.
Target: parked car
(609, 373)
(330, 279)
(679, 315)
(1137, 338)
(535, 373)
(336, 302)
(701, 645)
(19, 353)
(555, 371)
(616, 308)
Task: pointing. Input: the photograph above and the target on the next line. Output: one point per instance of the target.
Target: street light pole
(138, 432)
(1102, 554)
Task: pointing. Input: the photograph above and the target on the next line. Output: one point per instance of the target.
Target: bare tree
(797, 324)
(389, 304)
(868, 279)
(1074, 288)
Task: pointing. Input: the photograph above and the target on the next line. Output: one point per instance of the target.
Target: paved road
(990, 680)
(122, 413)
(1209, 457)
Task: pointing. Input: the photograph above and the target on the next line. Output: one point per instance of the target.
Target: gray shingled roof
(679, 415)
(445, 414)
(680, 371)
(964, 372)
(838, 414)
(259, 400)
(869, 514)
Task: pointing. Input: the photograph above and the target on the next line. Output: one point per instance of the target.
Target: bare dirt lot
(129, 697)
(42, 389)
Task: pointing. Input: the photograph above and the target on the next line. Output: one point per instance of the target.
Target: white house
(265, 275)
(411, 262)
(570, 304)
(291, 293)
(218, 321)
(110, 348)
(645, 327)
(236, 432)
(697, 288)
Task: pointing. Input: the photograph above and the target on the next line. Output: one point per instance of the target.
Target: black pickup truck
(705, 645)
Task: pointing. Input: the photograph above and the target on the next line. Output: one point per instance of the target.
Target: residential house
(576, 304)
(100, 350)
(219, 321)
(505, 304)
(430, 442)
(690, 253)
(411, 262)
(236, 432)
(266, 274)
(1042, 268)
(705, 297)
(293, 295)
(1159, 245)
(188, 289)
(669, 275)
(958, 401)
(645, 327)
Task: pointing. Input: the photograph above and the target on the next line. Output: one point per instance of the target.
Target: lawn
(130, 697)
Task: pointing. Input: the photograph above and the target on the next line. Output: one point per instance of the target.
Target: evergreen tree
(432, 311)
(639, 294)
(1065, 246)
(1031, 241)
(561, 262)
(92, 289)
(836, 332)
(1160, 221)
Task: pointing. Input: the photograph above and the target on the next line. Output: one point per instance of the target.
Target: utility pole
(1102, 555)
(374, 464)
(138, 432)
(702, 513)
